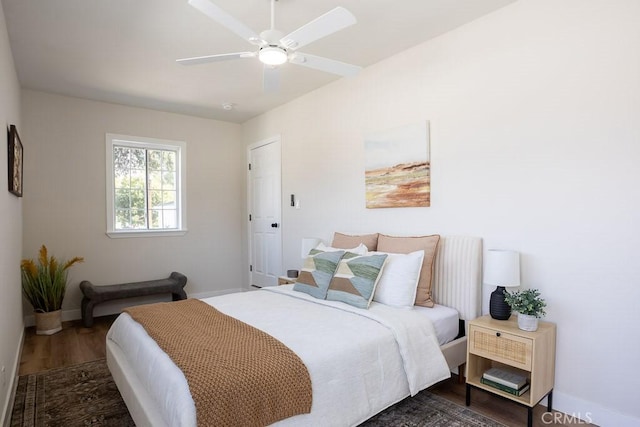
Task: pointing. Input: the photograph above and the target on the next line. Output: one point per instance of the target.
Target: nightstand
(500, 343)
(284, 280)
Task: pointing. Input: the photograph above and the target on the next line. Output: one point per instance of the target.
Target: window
(145, 186)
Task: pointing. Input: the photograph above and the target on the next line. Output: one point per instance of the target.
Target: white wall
(11, 325)
(534, 113)
(64, 200)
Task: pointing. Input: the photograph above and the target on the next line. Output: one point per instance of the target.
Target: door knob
(274, 225)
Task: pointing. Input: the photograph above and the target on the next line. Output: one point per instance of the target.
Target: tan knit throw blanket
(237, 374)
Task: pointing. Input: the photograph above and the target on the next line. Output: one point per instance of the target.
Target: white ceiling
(124, 51)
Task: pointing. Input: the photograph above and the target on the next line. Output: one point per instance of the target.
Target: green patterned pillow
(355, 280)
(316, 273)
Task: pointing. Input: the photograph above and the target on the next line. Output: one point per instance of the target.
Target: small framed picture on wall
(15, 161)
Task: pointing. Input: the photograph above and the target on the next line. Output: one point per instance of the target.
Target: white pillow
(361, 249)
(398, 284)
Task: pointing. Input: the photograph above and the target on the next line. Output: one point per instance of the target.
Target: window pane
(155, 198)
(123, 219)
(138, 199)
(138, 219)
(137, 178)
(168, 180)
(123, 199)
(137, 158)
(121, 178)
(121, 158)
(170, 218)
(169, 199)
(155, 180)
(155, 218)
(155, 160)
(168, 161)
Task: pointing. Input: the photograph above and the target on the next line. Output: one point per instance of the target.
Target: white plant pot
(527, 322)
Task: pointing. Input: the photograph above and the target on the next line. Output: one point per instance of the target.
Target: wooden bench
(94, 295)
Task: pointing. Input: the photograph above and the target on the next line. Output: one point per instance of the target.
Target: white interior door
(265, 213)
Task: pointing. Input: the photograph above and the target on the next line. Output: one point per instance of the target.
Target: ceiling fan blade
(271, 79)
(215, 58)
(325, 64)
(332, 21)
(224, 19)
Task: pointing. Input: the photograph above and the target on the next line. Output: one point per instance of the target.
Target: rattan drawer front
(501, 347)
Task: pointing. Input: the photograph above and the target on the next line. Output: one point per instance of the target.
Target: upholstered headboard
(458, 275)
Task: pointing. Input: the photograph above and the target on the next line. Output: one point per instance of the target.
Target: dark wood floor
(72, 345)
(76, 344)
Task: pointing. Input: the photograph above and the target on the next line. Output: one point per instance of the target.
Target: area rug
(79, 395)
(85, 395)
(428, 410)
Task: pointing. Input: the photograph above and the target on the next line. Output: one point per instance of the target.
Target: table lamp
(502, 269)
(308, 243)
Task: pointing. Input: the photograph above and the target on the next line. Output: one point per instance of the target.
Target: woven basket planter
(48, 323)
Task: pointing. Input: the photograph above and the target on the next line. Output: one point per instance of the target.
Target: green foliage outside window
(145, 188)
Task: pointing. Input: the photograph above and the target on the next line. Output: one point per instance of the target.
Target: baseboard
(8, 409)
(589, 412)
(116, 306)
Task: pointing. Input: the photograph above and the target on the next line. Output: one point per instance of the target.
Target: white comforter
(360, 361)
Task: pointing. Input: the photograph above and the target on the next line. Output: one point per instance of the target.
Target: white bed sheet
(380, 361)
(446, 321)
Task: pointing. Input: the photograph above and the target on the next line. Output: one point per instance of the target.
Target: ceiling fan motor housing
(272, 37)
(271, 53)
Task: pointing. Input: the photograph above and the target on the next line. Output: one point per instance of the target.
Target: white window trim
(142, 142)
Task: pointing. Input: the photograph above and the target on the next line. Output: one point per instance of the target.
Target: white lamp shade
(308, 243)
(502, 268)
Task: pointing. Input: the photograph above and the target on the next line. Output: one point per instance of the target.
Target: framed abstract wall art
(15, 161)
(398, 167)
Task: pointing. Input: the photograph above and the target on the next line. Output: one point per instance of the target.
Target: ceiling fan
(274, 47)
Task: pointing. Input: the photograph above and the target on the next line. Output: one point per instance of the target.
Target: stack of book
(505, 380)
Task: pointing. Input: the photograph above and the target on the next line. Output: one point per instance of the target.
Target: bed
(360, 361)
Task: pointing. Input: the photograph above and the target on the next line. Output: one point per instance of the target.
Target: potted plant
(529, 305)
(44, 285)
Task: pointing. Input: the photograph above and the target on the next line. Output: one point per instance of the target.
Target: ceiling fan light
(272, 55)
